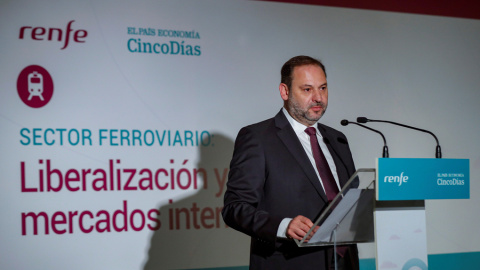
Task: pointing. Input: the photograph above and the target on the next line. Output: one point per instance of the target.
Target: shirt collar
(298, 127)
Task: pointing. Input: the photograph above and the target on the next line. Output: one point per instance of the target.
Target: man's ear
(283, 91)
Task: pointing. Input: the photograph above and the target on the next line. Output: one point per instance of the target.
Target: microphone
(438, 151)
(345, 122)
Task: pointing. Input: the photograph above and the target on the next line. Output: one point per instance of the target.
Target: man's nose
(317, 96)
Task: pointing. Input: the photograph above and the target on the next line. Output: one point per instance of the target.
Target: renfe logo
(35, 86)
(396, 179)
(40, 33)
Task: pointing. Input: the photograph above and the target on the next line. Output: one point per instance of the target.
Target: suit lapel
(289, 138)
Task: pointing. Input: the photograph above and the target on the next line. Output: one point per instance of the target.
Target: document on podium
(338, 216)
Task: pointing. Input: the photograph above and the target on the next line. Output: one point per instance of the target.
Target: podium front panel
(422, 179)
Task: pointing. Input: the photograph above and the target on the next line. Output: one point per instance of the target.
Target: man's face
(307, 99)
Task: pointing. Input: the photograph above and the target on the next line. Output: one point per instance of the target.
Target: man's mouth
(317, 108)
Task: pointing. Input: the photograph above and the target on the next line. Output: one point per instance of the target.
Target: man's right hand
(299, 227)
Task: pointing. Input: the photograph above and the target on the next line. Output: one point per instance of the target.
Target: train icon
(35, 85)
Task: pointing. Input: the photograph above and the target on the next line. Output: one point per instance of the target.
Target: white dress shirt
(305, 140)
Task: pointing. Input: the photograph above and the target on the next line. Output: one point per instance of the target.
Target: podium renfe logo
(35, 86)
(53, 33)
(396, 179)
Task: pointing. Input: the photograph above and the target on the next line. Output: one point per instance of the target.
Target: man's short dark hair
(297, 61)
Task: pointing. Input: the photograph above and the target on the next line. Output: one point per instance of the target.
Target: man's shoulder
(331, 132)
(259, 127)
(328, 128)
(266, 124)
(261, 124)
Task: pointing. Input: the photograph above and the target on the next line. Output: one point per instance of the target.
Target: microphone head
(344, 122)
(362, 120)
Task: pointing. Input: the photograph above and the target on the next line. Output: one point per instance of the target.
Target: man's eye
(306, 89)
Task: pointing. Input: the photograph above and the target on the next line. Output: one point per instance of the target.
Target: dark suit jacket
(271, 178)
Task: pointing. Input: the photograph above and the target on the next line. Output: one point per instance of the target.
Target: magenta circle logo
(35, 86)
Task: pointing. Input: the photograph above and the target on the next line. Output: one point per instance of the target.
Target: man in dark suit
(276, 187)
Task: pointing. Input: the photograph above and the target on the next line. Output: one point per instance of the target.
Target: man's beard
(301, 114)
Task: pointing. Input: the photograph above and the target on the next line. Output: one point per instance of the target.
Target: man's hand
(298, 228)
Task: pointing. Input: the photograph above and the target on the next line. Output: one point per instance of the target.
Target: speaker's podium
(386, 206)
